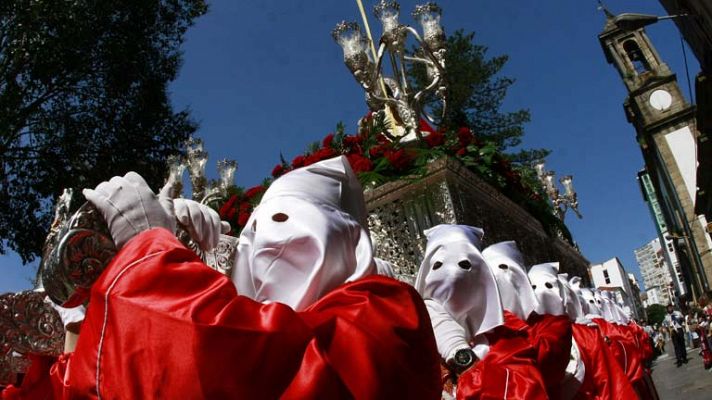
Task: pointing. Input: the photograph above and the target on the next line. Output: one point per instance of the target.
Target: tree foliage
(475, 94)
(83, 96)
(655, 313)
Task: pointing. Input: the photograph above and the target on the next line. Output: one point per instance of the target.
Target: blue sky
(265, 77)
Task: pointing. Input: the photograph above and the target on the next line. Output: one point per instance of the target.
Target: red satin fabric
(36, 384)
(162, 325)
(604, 378)
(508, 371)
(550, 335)
(644, 342)
(624, 347)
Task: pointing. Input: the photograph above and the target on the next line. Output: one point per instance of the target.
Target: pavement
(688, 382)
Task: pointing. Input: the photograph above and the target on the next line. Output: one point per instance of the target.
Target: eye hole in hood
(465, 264)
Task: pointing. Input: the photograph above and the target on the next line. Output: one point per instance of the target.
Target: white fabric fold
(572, 304)
(589, 300)
(384, 267)
(455, 274)
(507, 264)
(547, 287)
(302, 240)
(575, 373)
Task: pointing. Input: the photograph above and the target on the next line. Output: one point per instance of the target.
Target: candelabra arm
(426, 49)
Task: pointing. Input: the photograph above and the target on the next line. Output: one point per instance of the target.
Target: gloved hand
(130, 207)
(202, 222)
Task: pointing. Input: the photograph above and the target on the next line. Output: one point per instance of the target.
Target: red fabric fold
(509, 369)
(624, 346)
(551, 336)
(604, 379)
(36, 385)
(162, 325)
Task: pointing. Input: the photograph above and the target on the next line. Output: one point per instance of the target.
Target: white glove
(202, 222)
(130, 207)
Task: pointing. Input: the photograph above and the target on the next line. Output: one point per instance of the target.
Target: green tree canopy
(475, 93)
(656, 314)
(83, 96)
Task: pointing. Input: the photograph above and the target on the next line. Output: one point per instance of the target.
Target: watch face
(660, 100)
(464, 357)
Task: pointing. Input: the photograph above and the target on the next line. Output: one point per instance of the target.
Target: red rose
(464, 135)
(327, 140)
(245, 207)
(382, 139)
(254, 191)
(227, 207)
(435, 139)
(378, 151)
(399, 159)
(461, 152)
(278, 170)
(359, 163)
(352, 140)
(298, 161)
(242, 218)
(319, 155)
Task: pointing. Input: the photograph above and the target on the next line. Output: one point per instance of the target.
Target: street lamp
(561, 202)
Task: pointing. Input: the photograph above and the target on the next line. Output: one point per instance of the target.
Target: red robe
(550, 335)
(624, 347)
(509, 369)
(604, 379)
(162, 325)
(36, 384)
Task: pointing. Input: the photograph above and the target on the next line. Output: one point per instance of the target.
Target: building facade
(611, 275)
(656, 271)
(680, 281)
(695, 24)
(666, 131)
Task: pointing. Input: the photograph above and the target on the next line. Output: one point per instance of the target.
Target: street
(689, 382)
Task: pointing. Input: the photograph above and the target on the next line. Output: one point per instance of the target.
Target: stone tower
(665, 126)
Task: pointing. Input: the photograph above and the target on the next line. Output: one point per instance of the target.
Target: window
(636, 56)
(606, 276)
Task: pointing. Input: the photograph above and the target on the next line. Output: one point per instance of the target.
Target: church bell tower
(665, 130)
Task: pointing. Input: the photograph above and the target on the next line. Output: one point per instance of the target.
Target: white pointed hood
(605, 305)
(572, 304)
(548, 288)
(306, 237)
(591, 303)
(507, 264)
(455, 274)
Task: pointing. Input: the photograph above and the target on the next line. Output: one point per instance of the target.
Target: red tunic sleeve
(550, 335)
(509, 369)
(162, 325)
(604, 379)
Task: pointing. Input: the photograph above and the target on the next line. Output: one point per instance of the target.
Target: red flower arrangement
(377, 160)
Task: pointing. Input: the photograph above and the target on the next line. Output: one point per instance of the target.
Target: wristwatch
(463, 359)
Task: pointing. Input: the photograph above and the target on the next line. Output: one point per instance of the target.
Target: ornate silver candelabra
(196, 161)
(393, 96)
(562, 202)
